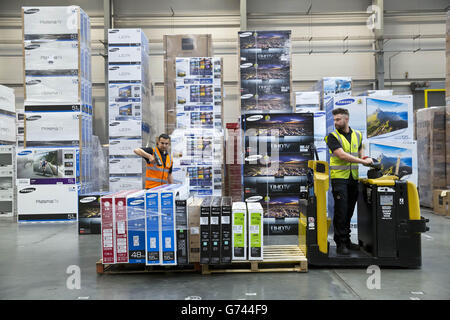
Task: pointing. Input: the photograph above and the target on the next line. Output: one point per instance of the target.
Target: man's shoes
(352, 246)
(341, 249)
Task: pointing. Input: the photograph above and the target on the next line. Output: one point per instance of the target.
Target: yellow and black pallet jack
(389, 222)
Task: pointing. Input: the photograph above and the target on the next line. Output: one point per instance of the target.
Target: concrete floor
(34, 260)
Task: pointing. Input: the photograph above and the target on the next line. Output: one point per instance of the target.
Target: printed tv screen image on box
(390, 119)
(279, 125)
(48, 165)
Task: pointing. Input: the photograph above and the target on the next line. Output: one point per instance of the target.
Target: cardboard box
(7, 99)
(239, 229)
(431, 146)
(194, 212)
(215, 228)
(136, 226)
(333, 87)
(51, 55)
(305, 101)
(53, 128)
(124, 146)
(7, 209)
(126, 54)
(182, 231)
(108, 228)
(377, 93)
(7, 160)
(398, 157)
(125, 111)
(120, 183)
(390, 118)
(183, 45)
(7, 127)
(121, 227)
(168, 196)
(127, 36)
(257, 65)
(130, 128)
(126, 92)
(441, 202)
(54, 20)
(53, 88)
(132, 73)
(255, 230)
(125, 165)
(89, 213)
(205, 235)
(226, 231)
(152, 227)
(43, 203)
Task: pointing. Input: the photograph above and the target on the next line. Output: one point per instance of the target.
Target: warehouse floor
(34, 262)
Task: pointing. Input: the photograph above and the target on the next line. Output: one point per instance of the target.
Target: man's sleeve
(333, 143)
(170, 170)
(149, 151)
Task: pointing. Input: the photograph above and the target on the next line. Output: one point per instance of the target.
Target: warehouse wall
(405, 60)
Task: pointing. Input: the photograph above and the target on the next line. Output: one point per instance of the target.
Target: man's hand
(367, 161)
(151, 158)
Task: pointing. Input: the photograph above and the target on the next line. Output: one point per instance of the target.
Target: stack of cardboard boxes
(177, 46)
(431, 159)
(7, 151)
(164, 226)
(265, 71)
(57, 114)
(129, 106)
(197, 142)
(233, 162)
(387, 126)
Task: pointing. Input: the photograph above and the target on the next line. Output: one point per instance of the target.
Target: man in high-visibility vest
(159, 163)
(346, 153)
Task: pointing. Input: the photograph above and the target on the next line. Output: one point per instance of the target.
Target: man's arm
(144, 154)
(341, 154)
(170, 178)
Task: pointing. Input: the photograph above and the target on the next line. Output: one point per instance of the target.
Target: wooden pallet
(124, 268)
(277, 258)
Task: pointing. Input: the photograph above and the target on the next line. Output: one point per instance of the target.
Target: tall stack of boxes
(276, 142)
(177, 46)
(197, 142)
(233, 162)
(7, 152)
(387, 127)
(57, 152)
(277, 151)
(431, 158)
(265, 71)
(447, 98)
(129, 106)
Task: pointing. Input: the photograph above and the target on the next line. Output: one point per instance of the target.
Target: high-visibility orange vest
(155, 175)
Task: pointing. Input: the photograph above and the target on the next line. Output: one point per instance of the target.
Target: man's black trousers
(345, 194)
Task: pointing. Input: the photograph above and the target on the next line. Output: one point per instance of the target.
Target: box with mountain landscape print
(396, 156)
(390, 118)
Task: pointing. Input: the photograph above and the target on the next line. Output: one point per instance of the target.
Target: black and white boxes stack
(55, 162)
(129, 106)
(7, 151)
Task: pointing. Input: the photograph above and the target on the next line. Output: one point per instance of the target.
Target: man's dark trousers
(345, 194)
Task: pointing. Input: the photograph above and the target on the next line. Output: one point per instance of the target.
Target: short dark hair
(340, 111)
(163, 136)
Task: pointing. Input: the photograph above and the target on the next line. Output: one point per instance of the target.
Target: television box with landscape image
(390, 118)
(398, 157)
